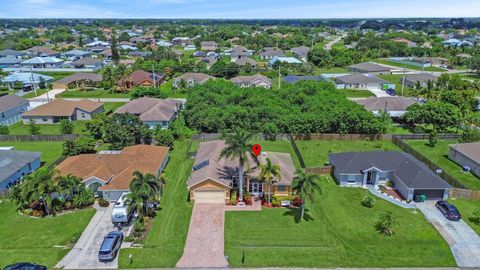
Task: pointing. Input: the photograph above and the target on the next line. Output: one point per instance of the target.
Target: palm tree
(69, 185)
(268, 173)
(386, 223)
(305, 185)
(40, 186)
(237, 147)
(417, 90)
(429, 91)
(143, 188)
(476, 87)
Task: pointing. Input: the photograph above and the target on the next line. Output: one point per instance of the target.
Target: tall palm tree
(305, 185)
(417, 90)
(40, 186)
(430, 91)
(268, 173)
(143, 188)
(237, 147)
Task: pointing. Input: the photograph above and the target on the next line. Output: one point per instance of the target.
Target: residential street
(84, 255)
(205, 240)
(463, 241)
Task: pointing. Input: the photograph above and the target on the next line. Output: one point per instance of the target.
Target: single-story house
(141, 78)
(139, 54)
(466, 155)
(163, 43)
(288, 60)
(362, 81)
(10, 62)
(42, 62)
(78, 80)
(301, 52)
(96, 43)
(257, 80)
(213, 178)
(97, 49)
(12, 53)
(27, 80)
(14, 165)
(208, 46)
(154, 112)
(106, 53)
(409, 176)
(59, 109)
(41, 51)
(394, 106)
(269, 53)
(110, 173)
(239, 52)
(244, 60)
(423, 78)
(75, 54)
(11, 109)
(370, 68)
(87, 62)
(296, 78)
(191, 79)
(181, 41)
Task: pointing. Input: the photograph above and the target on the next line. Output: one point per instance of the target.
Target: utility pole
(32, 81)
(279, 78)
(404, 78)
(154, 77)
(424, 60)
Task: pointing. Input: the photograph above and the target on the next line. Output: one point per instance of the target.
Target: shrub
(33, 128)
(276, 202)
(297, 202)
(4, 130)
(129, 238)
(233, 198)
(475, 217)
(66, 127)
(389, 183)
(103, 203)
(164, 137)
(138, 226)
(368, 202)
(386, 224)
(82, 145)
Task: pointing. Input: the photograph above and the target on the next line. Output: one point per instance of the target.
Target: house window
(29, 166)
(351, 179)
(234, 182)
(45, 120)
(83, 115)
(281, 188)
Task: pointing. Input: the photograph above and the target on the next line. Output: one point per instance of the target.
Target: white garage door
(209, 196)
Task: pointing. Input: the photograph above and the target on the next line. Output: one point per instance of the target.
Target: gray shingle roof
(11, 161)
(390, 103)
(359, 79)
(405, 167)
(369, 67)
(152, 109)
(421, 77)
(9, 102)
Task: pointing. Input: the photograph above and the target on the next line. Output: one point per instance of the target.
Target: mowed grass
(401, 65)
(166, 239)
(46, 129)
(439, 155)
(397, 79)
(97, 93)
(112, 106)
(315, 153)
(467, 208)
(351, 93)
(27, 239)
(51, 151)
(337, 232)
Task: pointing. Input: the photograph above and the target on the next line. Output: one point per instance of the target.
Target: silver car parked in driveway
(110, 246)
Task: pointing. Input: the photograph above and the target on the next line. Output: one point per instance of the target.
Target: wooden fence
(38, 138)
(326, 170)
(473, 195)
(430, 164)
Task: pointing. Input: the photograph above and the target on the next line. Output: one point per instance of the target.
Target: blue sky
(242, 9)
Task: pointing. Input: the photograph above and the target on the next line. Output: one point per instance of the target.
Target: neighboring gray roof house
(244, 60)
(10, 62)
(409, 176)
(239, 52)
(395, 106)
(12, 53)
(14, 165)
(192, 78)
(153, 111)
(11, 109)
(43, 51)
(208, 45)
(257, 80)
(423, 78)
(368, 67)
(300, 52)
(466, 155)
(295, 78)
(78, 80)
(270, 53)
(75, 54)
(87, 62)
(361, 81)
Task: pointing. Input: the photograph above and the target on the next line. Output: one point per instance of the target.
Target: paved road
(463, 241)
(330, 44)
(205, 241)
(84, 255)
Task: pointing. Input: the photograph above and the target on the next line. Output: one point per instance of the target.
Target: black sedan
(449, 211)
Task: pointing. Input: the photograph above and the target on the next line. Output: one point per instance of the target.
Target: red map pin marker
(256, 149)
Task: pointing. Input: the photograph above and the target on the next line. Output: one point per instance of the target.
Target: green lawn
(280, 146)
(27, 239)
(33, 94)
(439, 155)
(397, 79)
(397, 129)
(400, 65)
(315, 153)
(47, 129)
(352, 93)
(98, 93)
(112, 106)
(466, 208)
(57, 75)
(166, 239)
(337, 232)
(167, 88)
(51, 151)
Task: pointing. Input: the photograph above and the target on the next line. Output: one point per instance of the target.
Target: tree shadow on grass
(296, 213)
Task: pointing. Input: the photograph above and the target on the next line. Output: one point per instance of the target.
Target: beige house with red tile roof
(110, 172)
(59, 109)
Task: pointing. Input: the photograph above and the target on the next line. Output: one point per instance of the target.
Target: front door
(255, 187)
(370, 178)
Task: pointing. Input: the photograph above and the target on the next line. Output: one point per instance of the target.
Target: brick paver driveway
(205, 240)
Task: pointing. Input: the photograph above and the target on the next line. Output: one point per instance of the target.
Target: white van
(121, 213)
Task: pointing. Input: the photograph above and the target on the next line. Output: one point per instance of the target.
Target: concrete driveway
(205, 241)
(378, 92)
(84, 255)
(463, 241)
